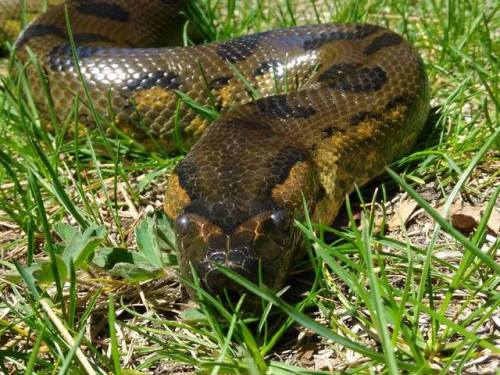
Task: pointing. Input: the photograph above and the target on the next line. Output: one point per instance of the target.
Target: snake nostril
(217, 257)
(237, 257)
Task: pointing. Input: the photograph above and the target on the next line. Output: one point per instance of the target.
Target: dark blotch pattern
(362, 80)
(267, 66)
(239, 49)
(359, 32)
(331, 130)
(36, 31)
(397, 100)
(106, 10)
(247, 123)
(280, 106)
(284, 161)
(167, 80)
(186, 172)
(327, 133)
(384, 40)
(338, 69)
(219, 82)
(362, 116)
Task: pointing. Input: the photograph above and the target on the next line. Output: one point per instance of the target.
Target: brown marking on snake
(362, 116)
(159, 78)
(186, 172)
(327, 132)
(267, 67)
(362, 80)
(281, 107)
(397, 100)
(359, 32)
(219, 82)
(250, 124)
(90, 38)
(106, 10)
(382, 41)
(240, 48)
(38, 31)
(338, 69)
(283, 163)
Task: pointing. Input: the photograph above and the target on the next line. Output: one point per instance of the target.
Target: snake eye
(281, 219)
(183, 225)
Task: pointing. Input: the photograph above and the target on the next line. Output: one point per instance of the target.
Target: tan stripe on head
(176, 198)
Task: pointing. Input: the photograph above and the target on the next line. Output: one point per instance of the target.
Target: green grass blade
(48, 236)
(115, 354)
(380, 311)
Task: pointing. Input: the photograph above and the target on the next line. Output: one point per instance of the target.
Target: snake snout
(256, 249)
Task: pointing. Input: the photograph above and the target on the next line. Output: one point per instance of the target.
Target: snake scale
(336, 103)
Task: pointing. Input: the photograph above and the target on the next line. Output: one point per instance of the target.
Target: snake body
(332, 105)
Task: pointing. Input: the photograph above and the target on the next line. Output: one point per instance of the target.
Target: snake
(307, 113)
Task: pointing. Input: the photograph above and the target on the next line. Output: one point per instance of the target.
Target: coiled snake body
(337, 103)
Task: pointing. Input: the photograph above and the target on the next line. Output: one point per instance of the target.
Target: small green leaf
(66, 232)
(147, 241)
(43, 271)
(107, 257)
(136, 272)
(193, 315)
(80, 247)
(165, 232)
(130, 265)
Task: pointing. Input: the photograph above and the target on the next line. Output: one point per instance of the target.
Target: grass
(420, 298)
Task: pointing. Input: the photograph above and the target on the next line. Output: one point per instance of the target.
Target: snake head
(234, 198)
(260, 249)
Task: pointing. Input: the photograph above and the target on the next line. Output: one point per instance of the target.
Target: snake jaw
(259, 249)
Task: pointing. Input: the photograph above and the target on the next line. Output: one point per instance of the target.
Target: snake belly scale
(337, 103)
